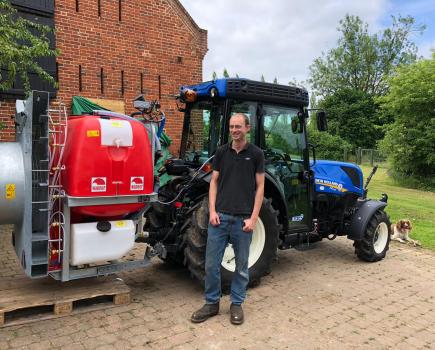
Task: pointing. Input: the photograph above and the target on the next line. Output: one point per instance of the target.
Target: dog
(400, 232)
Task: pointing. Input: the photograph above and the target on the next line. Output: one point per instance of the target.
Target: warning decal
(117, 124)
(98, 184)
(93, 133)
(120, 224)
(10, 191)
(136, 183)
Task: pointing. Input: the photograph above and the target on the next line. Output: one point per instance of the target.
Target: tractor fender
(360, 219)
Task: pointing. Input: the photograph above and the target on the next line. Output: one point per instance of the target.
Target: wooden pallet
(24, 300)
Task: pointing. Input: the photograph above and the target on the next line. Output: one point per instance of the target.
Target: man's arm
(214, 217)
(259, 195)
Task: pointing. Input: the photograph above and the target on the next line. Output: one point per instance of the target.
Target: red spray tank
(106, 156)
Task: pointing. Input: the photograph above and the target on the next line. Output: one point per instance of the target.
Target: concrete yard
(324, 298)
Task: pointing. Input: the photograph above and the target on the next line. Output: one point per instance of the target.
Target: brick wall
(7, 109)
(148, 40)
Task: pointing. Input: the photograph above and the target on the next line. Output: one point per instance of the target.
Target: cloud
(276, 38)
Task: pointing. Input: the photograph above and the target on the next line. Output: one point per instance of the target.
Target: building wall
(153, 41)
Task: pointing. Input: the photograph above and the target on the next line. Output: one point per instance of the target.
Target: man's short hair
(247, 121)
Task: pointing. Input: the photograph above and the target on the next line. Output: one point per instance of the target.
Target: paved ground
(319, 299)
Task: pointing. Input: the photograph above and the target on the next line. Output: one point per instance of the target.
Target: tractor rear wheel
(262, 251)
(376, 240)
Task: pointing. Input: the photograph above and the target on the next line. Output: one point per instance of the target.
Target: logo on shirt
(247, 158)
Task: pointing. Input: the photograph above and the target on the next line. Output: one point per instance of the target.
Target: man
(235, 198)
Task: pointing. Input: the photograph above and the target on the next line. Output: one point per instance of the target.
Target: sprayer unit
(75, 189)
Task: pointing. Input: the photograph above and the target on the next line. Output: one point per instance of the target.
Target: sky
(281, 38)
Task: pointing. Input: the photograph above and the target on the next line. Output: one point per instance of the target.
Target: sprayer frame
(71, 273)
(31, 235)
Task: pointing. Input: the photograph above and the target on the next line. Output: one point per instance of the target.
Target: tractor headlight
(214, 92)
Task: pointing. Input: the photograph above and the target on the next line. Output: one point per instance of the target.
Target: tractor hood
(337, 178)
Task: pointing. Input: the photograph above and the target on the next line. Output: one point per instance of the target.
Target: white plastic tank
(90, 245)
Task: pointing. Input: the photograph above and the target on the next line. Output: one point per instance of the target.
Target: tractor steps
(23, 300)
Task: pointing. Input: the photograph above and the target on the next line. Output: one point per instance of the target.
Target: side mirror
(322, 124)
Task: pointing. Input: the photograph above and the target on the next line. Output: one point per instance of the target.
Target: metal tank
(12, 183)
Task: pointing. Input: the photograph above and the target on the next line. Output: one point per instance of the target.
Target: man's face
(238, 127)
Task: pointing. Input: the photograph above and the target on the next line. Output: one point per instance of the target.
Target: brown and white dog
(400, 232)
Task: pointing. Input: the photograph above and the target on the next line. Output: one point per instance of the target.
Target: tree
(20, 48)
(214, 75)
(328, 146)
(225, 73)
(352, 115)
(410, 140)
(262, 78)
(275, 81)
(362, 61)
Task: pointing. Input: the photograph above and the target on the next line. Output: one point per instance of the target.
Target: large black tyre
(376, 240)
(262, 252)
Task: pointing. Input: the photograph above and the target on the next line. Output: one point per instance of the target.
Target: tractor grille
(266, 92)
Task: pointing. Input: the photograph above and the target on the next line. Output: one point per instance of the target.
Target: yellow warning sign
(10, 191)
(117, 124)
(93, 133)
(120, 224)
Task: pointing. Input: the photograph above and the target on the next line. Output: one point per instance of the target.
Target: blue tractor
(306, 199)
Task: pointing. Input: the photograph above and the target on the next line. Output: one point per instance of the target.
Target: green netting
(81, 105)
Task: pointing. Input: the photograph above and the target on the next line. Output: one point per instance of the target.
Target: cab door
(283, 141)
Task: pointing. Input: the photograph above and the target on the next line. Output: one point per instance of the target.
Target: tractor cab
(277, 119)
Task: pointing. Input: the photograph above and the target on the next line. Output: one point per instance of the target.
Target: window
(41, 12)
(283, 132)
(204, 134)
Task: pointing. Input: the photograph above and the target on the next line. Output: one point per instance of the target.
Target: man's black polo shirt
(236, 181)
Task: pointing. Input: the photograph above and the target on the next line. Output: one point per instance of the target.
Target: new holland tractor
(306, 199)
(81, 190)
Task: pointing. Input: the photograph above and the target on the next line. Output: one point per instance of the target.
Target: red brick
(149, 38)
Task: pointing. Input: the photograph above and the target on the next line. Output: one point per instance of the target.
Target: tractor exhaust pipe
(375, 168)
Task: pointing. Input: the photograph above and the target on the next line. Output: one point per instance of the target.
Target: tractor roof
(245, 89)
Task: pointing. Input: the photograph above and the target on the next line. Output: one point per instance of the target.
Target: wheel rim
(255, 249)
(380, 237)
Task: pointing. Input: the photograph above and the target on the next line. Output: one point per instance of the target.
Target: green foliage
(214, 77)
(2, 126)
(20, 48)
(225, 73)
(361, 61)
(410, 140)
(352, 115)
(328, 146)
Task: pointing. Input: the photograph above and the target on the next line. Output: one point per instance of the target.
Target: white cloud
(278, 38)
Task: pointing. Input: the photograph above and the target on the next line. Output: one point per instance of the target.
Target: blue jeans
(229, 231)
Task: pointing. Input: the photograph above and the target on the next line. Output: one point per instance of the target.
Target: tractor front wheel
(376, 240)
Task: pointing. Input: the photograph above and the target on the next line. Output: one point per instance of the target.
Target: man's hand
(249, 224)
(214, 219)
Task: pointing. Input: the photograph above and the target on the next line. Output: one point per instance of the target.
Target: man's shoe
(236, 314)
(207, 311)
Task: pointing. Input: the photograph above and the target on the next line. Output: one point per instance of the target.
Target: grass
(405, 203)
